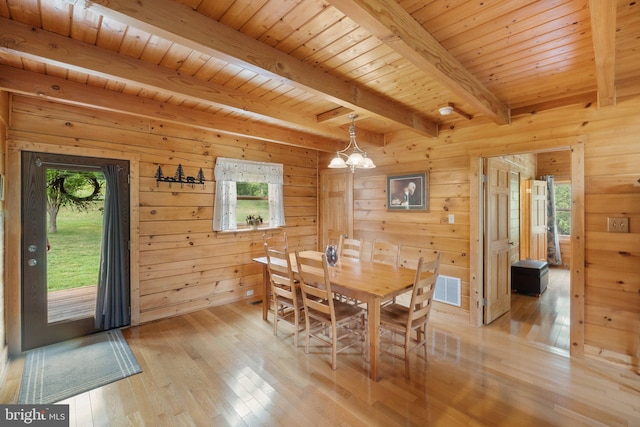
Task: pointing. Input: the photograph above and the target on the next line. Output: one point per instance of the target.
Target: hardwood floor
(543, 320)
(224, 367)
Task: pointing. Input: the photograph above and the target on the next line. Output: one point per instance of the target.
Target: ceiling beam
(49, 48)
(603, 33)
(60, 90)
(395, 27)
(182, 25)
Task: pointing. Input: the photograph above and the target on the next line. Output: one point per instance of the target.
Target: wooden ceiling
(292, 71)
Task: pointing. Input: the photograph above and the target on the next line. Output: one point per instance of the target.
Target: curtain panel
(229, 171)
(553, 242)
(112, 302)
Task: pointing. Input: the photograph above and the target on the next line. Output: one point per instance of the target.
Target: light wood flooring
(543, 320)
(224, 367)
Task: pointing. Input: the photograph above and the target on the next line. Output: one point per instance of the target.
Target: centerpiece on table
(254, 221)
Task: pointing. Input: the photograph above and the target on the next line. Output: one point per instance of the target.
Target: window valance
(247, 171)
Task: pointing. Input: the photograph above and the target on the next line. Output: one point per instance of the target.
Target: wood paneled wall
(4, 124)
(183, 264)
(612, 155)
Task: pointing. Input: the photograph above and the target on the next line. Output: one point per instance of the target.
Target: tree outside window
(563, 208)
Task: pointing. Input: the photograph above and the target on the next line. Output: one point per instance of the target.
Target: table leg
(265, 292)
(373, 318)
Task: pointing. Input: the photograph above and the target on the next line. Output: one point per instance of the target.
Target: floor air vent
(447, 290)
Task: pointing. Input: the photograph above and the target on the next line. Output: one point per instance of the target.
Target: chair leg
(334, 348)
(308, 329)
(275, 318)
(407, 341)
(296, 324)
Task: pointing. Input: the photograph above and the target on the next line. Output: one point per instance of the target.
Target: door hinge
(128, 178)
(484, 178)
(484, 302)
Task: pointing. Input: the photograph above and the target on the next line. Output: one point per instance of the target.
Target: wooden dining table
(365, 281)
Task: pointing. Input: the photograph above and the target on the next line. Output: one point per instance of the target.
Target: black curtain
(112, 305)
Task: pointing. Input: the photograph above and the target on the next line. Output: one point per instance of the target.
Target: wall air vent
(447, 290)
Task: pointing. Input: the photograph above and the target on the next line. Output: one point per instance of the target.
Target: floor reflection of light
(445, 346)
(253, 396)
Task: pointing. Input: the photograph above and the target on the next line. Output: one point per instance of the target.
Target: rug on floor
(59, 371)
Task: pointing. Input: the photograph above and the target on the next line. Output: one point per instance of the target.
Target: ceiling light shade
(355, 157)
(445, 111)
(337, 162)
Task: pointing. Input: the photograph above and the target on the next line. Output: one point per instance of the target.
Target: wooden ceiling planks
(527, 53)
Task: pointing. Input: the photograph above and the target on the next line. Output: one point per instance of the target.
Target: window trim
(229, 171)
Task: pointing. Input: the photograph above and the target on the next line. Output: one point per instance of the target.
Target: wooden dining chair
(276, 240)
(333, 322)
(385, 253)
(285, 295)
(349, 248)
(399, 319)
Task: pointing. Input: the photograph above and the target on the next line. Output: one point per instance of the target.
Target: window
(252, 199)
(247, 188)
(563, 208)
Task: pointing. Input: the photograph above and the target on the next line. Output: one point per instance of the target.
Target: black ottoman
(529, 277)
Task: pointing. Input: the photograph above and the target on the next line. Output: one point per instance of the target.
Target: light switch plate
(618, 224)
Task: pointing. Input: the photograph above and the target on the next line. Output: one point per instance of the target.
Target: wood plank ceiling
(291, 71)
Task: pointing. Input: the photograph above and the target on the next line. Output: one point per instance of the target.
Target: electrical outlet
(618, 224)
(250, 292)
(452, 219)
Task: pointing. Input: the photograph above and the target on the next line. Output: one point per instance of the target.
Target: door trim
(476, 255)
(13, 293)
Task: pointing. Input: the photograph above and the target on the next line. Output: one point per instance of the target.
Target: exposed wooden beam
(392, 25)
(50, 48)
(603, 32)
(180, 24)
(334, 114)
(54, 88)
(584, 98)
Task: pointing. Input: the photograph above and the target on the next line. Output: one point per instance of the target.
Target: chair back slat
(280, 273)
(349, 248)
(315, 284)
(423, 288)
(385, 253)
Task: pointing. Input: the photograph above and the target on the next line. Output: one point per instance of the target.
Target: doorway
(51, 314)
(545, 319)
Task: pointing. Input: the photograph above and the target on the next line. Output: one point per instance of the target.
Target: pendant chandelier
(355, 157)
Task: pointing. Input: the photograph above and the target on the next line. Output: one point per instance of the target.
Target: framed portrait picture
(408, 192)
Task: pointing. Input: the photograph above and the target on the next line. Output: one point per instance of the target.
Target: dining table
(366, 281)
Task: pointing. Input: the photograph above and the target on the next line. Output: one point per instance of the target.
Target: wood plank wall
(184, 265)
(4, 125)
(612, 156)
(612, 153)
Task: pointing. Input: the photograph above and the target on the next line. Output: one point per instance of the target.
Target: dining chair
(385, 253)
(399, 319)
(276, 240)
(333, 322)
(285, 295)
(349, 248)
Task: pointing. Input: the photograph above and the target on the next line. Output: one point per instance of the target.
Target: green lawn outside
(74, 258)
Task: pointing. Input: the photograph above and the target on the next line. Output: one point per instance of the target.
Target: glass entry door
(62, 209)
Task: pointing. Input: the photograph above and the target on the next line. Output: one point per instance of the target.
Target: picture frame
(408, 192)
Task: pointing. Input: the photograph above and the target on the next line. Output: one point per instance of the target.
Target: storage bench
(529, 277)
